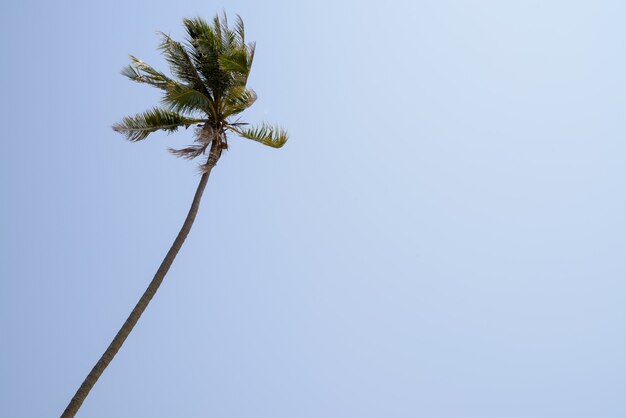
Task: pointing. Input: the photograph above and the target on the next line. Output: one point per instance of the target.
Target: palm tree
(208, 91)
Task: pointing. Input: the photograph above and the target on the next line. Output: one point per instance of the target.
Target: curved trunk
(141, 306)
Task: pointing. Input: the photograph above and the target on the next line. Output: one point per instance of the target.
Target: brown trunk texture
(134, 316)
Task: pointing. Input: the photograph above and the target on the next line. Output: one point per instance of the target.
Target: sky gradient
(443, 236)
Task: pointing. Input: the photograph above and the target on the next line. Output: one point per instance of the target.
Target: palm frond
(251, 47)
(219, 53)
(141, 72)
(206, 56)
(237, 100)
(239, 30)
(190, 152)
(181, 98)
(266, 134)
(138, 127)
(217, 29)
(181, 64)
(237, 61)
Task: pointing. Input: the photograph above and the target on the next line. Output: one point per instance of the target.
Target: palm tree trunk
(141, 306)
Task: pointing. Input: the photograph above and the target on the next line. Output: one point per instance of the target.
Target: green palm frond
(266, 134)
(138, 127)
(251, 47)
(239, 30)
(181, 98)
(206, 49)
(237, 100)
(219, 53)
(181, 64)
(218, 25)
(236, 61)
(141, 72)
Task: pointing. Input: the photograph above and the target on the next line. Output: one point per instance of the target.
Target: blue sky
(442, 237)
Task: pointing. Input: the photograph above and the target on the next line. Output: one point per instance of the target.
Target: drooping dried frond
(205, 135)
(138, 127)
(190, 152)
(266, 134)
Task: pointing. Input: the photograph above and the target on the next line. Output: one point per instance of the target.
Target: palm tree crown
(208, 89)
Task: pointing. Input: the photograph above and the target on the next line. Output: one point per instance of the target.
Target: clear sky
(443, 236)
